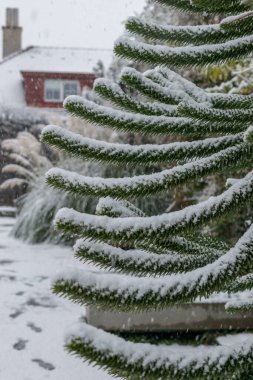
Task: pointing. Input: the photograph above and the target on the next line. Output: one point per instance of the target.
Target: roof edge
(11, 56)
(16, 54)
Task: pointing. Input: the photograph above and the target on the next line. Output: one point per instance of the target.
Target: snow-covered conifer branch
(242, 284)
(231, 357)
(231, 101)
(208, 241)
(180, 245)
(248, 135)
(194, 35)
(220, 6)
(138, 262)
(190, 244)
(102, 151)
(206, 114)
(148, 87)
(112, 207)
(156, 228)
(188, 56)
(200, 6)
(147, 293)
(113, 92)
(196, 93)
(239, 306)
(144, 124)
(147, 184)
(182, 5)
(128, 122)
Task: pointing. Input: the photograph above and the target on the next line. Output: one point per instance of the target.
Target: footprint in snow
(34, 327)
(41, 302)
(6, 261)
(41, 278)
(7, 277)
(44, 365)
(20, 345)
(21, 293)
(28, 284)
(16, 313)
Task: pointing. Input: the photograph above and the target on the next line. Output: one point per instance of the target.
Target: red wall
(34, 86)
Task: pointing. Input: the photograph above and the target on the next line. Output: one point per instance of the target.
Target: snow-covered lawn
(33, 321)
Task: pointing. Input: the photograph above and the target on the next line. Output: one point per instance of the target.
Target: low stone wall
(197, 316)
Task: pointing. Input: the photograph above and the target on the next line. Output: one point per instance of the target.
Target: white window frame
(45, 91)
(62, 82)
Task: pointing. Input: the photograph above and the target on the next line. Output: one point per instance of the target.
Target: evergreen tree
(164, 260)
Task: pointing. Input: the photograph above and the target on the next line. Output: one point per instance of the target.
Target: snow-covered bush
(162, 260)
(24, 162)
(34, 222)
(19, 127)
(17, 119)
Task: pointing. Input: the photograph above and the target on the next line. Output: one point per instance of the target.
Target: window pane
(70, 88)
(53, 90)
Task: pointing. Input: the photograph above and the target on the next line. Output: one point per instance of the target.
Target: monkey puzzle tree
(162, 260)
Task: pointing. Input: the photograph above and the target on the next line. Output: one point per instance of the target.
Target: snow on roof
(45, 59)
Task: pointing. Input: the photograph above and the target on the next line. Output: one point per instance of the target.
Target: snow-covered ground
(33, 321)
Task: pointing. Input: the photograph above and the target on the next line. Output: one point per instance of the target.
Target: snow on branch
(193, 35)
(147, 293)
(114, 93)
(207, 114)
(220, 6)
(91, 149)
(156, 228)
(112, 207)
(196, 93)
(228, 358)
(148, 87)
(189, 244)
(231, 101)
(137, 262)
(189, 56)
(242, 284)
(147, 184)
(239, 306)
(144, 124)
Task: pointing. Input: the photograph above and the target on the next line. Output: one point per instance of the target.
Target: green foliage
(91, 149)
(35, 221)
(214, 7)
(184, 56)
(185, 35)
(138, 262)
(145, 185)
(114, 93)
(165, 259)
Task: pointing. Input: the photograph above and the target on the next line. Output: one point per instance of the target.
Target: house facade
(48, 89)
(44, 76)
